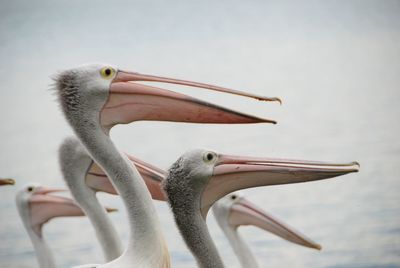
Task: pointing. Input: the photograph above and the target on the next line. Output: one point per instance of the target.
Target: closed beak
(243, 212)
(233, 173)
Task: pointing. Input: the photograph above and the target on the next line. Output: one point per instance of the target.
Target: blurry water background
(335, 64)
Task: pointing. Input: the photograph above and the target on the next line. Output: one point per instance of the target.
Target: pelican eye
(30, 188)
(233, 197)
(209, 156)
(107, 72)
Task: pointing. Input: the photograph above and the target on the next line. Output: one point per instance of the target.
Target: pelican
(201, 177)
(233, 211)
(6, 181)
(96, 97)
(36, 206)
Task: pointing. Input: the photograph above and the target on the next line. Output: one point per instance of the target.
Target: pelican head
(234, 210)
(80, 170)
(37, 205)
(84, 88)
(202, 176)
(103, 94)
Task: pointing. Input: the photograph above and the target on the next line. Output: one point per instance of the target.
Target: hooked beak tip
(317, 247)
(276, 99)
(356, 167)
(110, 210)
(266, 121)
(7, 181)
(270, 121)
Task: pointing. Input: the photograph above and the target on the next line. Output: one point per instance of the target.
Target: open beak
(233, 173)
(152, 176)
(244, 212)
(129, 101)
(7, 181)
(44, 206)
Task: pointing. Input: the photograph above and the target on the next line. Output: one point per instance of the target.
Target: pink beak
(233, 173)
(152, 176)
(44, 207)
(129, 101)
(244, 212)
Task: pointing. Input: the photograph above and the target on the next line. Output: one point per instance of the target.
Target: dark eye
(209, 156)
(30, 189)
(233, 197)
(107, 71)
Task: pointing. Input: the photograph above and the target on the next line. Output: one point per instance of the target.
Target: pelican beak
(152, 176)
(42, 190)
(44, 207)
(233, 173)
(98, 180)
(7, 181)
(129, 101)
(244, 212)
(110, 210)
